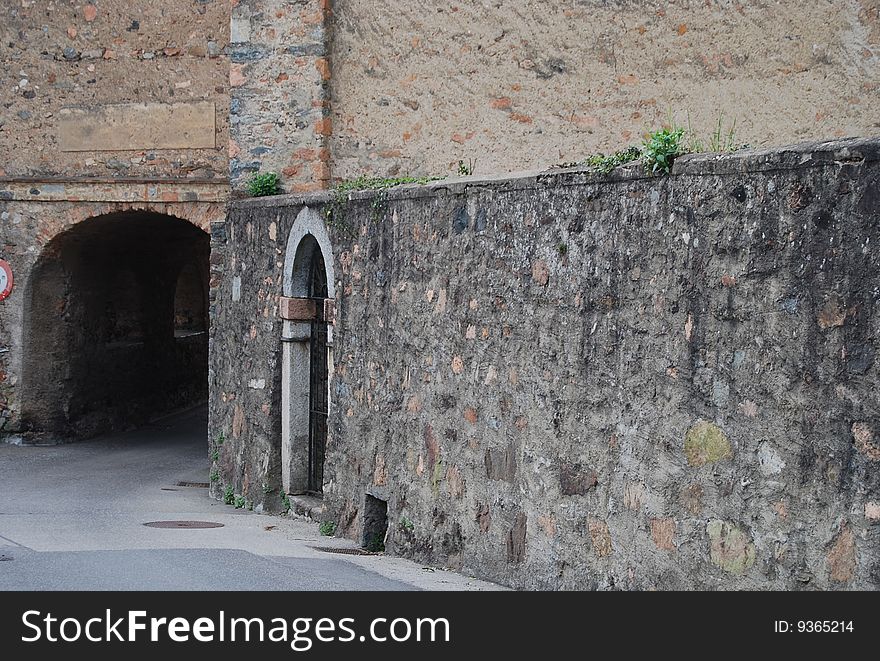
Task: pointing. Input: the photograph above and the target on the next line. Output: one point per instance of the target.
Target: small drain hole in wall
(375, 524)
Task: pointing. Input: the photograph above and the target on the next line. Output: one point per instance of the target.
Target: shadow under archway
(115, 325)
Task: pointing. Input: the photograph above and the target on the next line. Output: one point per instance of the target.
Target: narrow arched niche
(307, 337)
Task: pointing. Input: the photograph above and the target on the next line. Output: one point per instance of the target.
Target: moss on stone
(705, 443)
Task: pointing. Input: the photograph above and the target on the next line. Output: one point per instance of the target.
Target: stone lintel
(307, 309)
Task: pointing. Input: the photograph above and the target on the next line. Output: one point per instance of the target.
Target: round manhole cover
(183, 524)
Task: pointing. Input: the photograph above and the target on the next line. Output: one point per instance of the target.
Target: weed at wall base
(376, 544)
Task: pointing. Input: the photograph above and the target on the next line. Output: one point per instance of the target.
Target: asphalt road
(71, 518)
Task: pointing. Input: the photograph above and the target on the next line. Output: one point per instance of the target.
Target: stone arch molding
(307, 236)
(308, 222)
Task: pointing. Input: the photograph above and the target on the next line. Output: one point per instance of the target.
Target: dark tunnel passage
(115, 328)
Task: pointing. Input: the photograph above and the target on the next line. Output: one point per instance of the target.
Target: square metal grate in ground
(343, 551)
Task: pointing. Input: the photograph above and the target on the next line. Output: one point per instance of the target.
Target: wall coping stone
(842, 152)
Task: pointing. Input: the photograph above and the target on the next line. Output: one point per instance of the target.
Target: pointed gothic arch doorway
(307, 337)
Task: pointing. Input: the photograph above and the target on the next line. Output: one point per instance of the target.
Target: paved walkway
(71, 517)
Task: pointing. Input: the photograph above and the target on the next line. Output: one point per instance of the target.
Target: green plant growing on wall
(229, 495)
(218, 442)
(406, 523)
(721, 140)
(239, 502)
(267, 489)
(376, 544)
(263, 184)
(661, 148)
(327, 528)
(602, 164)
(336, 208)
(215, 475)
(467, 169)
(285, 501)
(605, 164)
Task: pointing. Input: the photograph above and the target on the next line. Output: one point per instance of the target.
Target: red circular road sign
(5, 279)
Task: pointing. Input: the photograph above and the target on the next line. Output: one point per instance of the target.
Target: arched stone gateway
(114, 330)
(307, 308)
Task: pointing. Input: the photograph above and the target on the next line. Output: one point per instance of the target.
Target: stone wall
(325, 91)
(117, 67)
(279, 75)
(112, 109)
(33, 216)
(521, 84)
(562, 380)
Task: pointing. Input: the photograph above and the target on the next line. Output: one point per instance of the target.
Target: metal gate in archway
(318, 377)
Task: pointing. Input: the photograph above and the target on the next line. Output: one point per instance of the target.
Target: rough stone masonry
(564, 380)
(113, 110)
